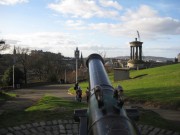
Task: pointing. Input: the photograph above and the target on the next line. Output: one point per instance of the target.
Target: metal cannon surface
(104, 115)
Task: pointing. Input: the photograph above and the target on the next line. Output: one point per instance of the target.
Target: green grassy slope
(160, 85)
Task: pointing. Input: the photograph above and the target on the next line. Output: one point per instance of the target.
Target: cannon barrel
(105, 116)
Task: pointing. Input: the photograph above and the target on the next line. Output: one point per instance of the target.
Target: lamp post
(65, 76)
(76, 54)
(14, 61)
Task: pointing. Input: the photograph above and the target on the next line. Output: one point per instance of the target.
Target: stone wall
(121, 74)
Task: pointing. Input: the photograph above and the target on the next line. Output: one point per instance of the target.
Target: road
(28, 97)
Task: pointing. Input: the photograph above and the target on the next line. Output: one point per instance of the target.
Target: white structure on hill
(179, 57)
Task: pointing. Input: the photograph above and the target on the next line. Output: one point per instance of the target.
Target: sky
(94, 26)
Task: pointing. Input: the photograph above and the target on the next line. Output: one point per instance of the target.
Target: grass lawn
(48, 108)
(6, 96)
(159, 86)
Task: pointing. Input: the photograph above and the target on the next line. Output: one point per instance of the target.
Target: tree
(3, 46)
(22, 58)
(46, 65)
(103, 54)
(37, 63)
(7, 78)
(53, 66)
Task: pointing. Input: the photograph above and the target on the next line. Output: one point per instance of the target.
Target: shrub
(7, 78)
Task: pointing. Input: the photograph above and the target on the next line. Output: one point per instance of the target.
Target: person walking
(79, 94)
(87, 94)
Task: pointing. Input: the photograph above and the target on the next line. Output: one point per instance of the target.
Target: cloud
(111, 3)
(47, 41)
(76, 24)
(99, 47)
(144, 19)
(109, 50)
(59, 42)
(85, 8)
(66, 43)
(11, 2)
(149, 22)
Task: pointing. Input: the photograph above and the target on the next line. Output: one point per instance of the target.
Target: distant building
(82, 64)
(176, 60)
(109, 64)
(178, 57)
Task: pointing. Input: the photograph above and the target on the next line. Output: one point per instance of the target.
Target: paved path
(28, 97)
(68, 127)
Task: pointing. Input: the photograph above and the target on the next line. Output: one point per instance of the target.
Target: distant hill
(148, 58)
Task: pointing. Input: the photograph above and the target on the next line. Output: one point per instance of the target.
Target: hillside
(160, 86)
(147, 58)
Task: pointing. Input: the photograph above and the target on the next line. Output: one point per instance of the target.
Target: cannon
(104, 116)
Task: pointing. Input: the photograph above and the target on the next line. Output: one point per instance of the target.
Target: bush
(7, 78)
(52, 78)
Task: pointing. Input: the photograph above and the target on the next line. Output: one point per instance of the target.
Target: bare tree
(37, 63)
(22, 58)
(47, 65)
(103, 54)
(3, 45)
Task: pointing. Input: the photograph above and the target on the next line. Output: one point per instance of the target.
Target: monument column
(140, 52)
(131, 53)
(137, 52)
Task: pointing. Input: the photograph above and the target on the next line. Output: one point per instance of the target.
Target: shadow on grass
(165, 97)
(6, 96)
(149, 117)
(138, 76)
(50, 87)
(48, 108)
(15, 118)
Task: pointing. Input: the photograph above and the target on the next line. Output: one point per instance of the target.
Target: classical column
(136, 52)
(140, 52)
(131, 53)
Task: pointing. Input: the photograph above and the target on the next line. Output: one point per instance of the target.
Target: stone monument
(135, 61)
